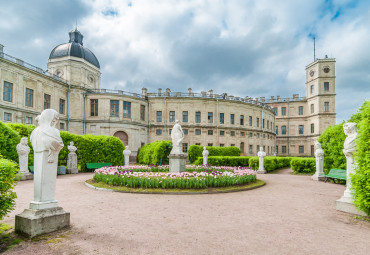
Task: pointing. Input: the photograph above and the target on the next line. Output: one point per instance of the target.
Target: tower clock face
(312, 73)
(326, 69)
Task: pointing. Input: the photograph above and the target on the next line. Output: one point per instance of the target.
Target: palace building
(287, 126)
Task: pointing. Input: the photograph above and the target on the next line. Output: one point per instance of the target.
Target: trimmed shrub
(361, 179)
(303, 165)
(155, 153)
(224, 161)
(8, 142)
(195, 151)
(271, 163)
(8, 171)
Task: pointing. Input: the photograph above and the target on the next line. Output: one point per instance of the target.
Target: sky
(240, 47)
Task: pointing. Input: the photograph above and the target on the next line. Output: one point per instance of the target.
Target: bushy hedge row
(361, 179)
(90, 148)
(8, 142)
(224, 161)
(271, 163)
(303, 165)
(8, 171)
(155, 153)
(195, 151)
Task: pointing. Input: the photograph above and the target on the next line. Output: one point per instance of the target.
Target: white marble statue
(261, 155)
(46, 143)
(177, 136)
(205, 154)
(319, 155)
(72, 166)
(23, 150)
(126, 154)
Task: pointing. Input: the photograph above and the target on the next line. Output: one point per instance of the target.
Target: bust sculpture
(72, 167)
(46, 137)
(205, 154)
(319, 156)
(71, 147)
(261, 154)
(177, 135)
(350, 130)
(23, 150)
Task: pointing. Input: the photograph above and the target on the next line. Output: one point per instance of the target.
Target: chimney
(262, 99)
(1, 48)
(295, 96)
(159, 92)
(190, 92)
(278, 97)
(210, 93)
(168, 92)
(144, 92)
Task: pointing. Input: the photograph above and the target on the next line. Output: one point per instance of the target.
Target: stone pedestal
(72, 163)
(26, 176)
(177, 163)
(32, 223)
(345, 204)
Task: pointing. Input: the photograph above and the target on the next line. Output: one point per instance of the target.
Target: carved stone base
(345, 204)
(26, 176)
(32, 223)
(261, 171)
(177, 163)
(72, 171)
(317, 177)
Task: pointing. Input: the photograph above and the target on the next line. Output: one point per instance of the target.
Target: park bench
(340, 174)
(30, 168)
(93, 166)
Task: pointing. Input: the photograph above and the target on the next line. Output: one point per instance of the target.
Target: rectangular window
(198, 131)
(275, 110)
(312, 89)
(29, 120)
(158, 131)
(29, 97)
(197, 117)
(62, 104)
(210, 117)
(126, 109)
(268, 124)
(142, 112)
(185, 116)
(7, 116)
(232, 119)
(222, 118)
(184, 147)
(258, 122)
(232, 144)
(312, 108)
(47, 99)
(258, 135)
(232, 133)
(276, 130)
(61, 126)
(222, 133)
(326, 86)
(8, 91)
(210, 132)
(283, 149)
(258, 148)
(159, 116)
(300, 129)
(263, 123)
(170, 131)
(250, 135)
(301, 149)
(197, 144)
(94, 107)
(300, 110)
(312, 150)
(186, 131)
(326, 106)
(242, 133)
(283, 130)
(283, 111)
(312, 128)
(276, 149)
(250, 149)
(172, 116)
(210, 144)
(250, 121)
(241, 120)
(222, 145)
(114, 108)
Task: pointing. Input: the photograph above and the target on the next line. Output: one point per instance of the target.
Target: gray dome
(74, 48)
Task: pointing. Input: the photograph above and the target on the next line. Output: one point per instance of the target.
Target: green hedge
(8, 171)
(195, 151)
(8, 142)
(155, 153)
(271, 163)
(361, 179)
(303, 165)
(224, 161)
(90, 148)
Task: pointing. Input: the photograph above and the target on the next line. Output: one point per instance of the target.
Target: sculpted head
(318, 145)
(24, 140)
(204, 148)
(177, 121)
(349, 128)
(71, 143)
(261, 148)
(48, 117)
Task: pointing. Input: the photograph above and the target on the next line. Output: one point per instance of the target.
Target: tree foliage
(195, 151)
(155, 153)
(8, 142)
(8, 171)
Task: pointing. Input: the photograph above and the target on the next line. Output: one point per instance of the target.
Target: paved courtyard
(290, 215)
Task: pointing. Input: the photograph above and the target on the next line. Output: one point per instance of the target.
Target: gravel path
(290, 215)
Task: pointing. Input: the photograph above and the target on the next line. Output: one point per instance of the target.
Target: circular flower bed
(196, 177)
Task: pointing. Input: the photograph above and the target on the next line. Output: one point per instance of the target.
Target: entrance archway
(242, 148)
(122, 136)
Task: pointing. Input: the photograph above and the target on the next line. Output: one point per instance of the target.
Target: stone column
(126, 154)
(72, 166)
(23, 151)
(345, 203)
(205, 154)
(319, 155)
(261, 158)
(44, 214)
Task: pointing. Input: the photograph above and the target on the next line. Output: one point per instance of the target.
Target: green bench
(93, 166)
(30, 168)
(340, 174)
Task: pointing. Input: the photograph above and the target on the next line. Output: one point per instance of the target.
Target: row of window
(284, 149)
(114, 109)
(28, 120)
(185, 118)
(300, 129)
(326, 87)
(8, 96)
(300, 109)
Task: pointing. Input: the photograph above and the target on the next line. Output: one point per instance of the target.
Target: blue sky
(242, 47)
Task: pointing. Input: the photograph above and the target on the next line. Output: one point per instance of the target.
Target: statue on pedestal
(72, 166)
(126, 154)
(261, 155)
(23, 150)
(205, 154)
(177, 135)
(319, 155)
